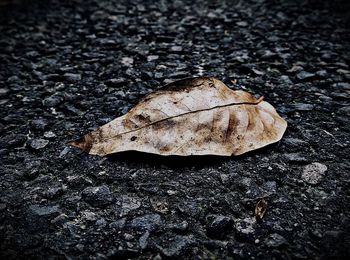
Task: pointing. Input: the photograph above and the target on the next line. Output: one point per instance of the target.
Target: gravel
(147, 222)
(313, 173)
(219, 226)
(275, 240)
(68, 67)
(98, 196)
(39, 143)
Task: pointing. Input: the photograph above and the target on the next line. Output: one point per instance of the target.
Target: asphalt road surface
(67, 67)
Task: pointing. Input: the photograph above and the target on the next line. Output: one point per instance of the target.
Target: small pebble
(38, 144)
(313, 173)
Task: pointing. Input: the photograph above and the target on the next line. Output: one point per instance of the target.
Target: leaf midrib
(184, 114)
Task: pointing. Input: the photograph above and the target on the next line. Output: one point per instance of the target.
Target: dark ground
(62, 74)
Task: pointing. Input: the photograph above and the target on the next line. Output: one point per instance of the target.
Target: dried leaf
(260, 209)
(196, 116)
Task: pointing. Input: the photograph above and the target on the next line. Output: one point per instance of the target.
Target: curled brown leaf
(196, 116)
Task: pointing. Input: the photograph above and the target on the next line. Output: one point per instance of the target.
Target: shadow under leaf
(178, 162)
(171, 161)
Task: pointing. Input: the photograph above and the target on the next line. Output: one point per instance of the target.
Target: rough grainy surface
(67, 67)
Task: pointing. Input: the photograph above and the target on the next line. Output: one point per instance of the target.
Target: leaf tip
(84, 143)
